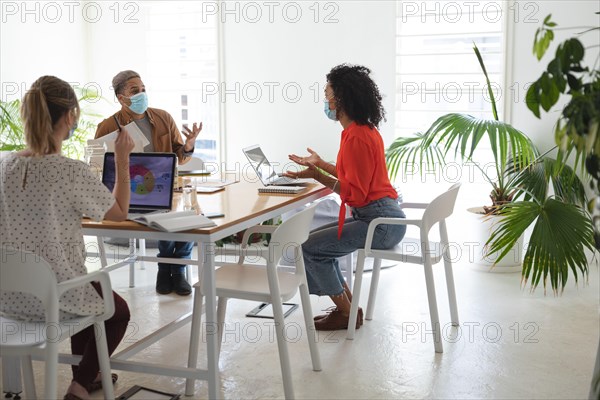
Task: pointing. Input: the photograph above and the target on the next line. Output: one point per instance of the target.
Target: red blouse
(361, 169)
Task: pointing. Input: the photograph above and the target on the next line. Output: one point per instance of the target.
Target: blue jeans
(322, 249)
(169, 249)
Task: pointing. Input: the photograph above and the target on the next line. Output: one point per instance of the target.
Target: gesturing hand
(309, 173)
(191, 135)
(313, 159)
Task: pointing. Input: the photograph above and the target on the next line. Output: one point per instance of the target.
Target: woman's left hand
(191, 135)
(312, 159)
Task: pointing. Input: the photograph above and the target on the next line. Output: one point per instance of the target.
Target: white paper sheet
(136, 134)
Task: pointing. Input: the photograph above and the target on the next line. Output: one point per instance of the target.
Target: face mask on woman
(331, 114)
(139, 103)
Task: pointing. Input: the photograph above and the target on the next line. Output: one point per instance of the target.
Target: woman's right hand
(123, 144)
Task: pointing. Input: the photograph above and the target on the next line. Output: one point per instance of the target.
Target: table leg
(212, 337)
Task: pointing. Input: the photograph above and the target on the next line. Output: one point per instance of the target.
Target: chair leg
(103, 360)
(349, 272)
(373, 289)
(102, 252)
(194, 339)
(221, 310)
(433, 309)
(27, 368)
(360, 266)
(132, 263)
(188, 274)
(284, 356)
(451, 292)
(142, 247)
(50, 389)
(309, 323)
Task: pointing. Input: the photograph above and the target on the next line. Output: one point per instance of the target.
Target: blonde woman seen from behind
(43, 197)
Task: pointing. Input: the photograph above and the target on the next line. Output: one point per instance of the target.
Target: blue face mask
(72, 131)
(139, 103)
(331, 114)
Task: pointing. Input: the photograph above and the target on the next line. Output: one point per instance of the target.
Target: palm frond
(463, 133)
(408, 152)
(533, 181)
(561, 234)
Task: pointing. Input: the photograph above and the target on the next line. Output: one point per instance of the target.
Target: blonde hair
(48, 99)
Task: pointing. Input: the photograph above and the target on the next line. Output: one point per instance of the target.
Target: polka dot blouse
(42, 202)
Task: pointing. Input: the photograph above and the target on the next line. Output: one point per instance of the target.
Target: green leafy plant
(461, 134)
(11, 126)
(577, 130)
(520, 190)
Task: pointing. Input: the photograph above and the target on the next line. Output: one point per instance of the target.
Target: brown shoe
(329, 310)
(335, 320)
(332, 308)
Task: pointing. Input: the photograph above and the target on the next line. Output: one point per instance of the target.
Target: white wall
(299, 55)
(81, 46)
(39, 38)
(576, 15)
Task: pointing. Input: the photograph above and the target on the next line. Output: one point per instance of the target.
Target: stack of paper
(136, 134)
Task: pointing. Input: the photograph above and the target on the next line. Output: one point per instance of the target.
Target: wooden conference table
(243, 207)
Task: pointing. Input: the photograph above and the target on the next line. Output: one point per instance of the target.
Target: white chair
(192, 164)
(28, 273)
(328, 211)
(411, 250)
(269, 285)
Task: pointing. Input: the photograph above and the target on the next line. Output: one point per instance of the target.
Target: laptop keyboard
(284, 180)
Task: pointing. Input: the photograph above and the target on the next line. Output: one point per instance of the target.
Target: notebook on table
(152, 176)
(271, 180)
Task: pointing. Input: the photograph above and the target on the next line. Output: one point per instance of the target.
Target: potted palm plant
(11, 126)
(519, 190)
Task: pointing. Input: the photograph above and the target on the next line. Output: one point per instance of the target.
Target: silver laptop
(152, 176)
(264, 170)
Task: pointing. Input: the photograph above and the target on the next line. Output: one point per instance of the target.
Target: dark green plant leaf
(561, 234)
(532, 99)
(408, 153)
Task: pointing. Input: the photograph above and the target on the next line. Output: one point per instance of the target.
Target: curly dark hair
(356, 94)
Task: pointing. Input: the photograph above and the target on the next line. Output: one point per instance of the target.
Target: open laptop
(264, 170)
(152, 176)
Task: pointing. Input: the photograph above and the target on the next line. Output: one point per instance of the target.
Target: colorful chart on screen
(142, 180)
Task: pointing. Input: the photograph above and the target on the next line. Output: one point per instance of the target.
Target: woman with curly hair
(360, 178)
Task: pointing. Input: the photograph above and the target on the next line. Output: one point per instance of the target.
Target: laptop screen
(151, 177)
(261, 165)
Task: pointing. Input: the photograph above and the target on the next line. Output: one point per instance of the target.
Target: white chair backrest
(23, 271)
(290, 235)
(192, 164)
(440, 208)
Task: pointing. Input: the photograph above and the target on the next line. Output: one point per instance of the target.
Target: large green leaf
(561, 234)
(532, 182)
(463, 133)
(408, 153)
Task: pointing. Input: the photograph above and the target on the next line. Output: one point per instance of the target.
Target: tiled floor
(511, 344)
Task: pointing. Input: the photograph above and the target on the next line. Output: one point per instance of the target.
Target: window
(437, 71)
(182, 54)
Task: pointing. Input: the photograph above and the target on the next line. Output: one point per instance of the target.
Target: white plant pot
(480, 228)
